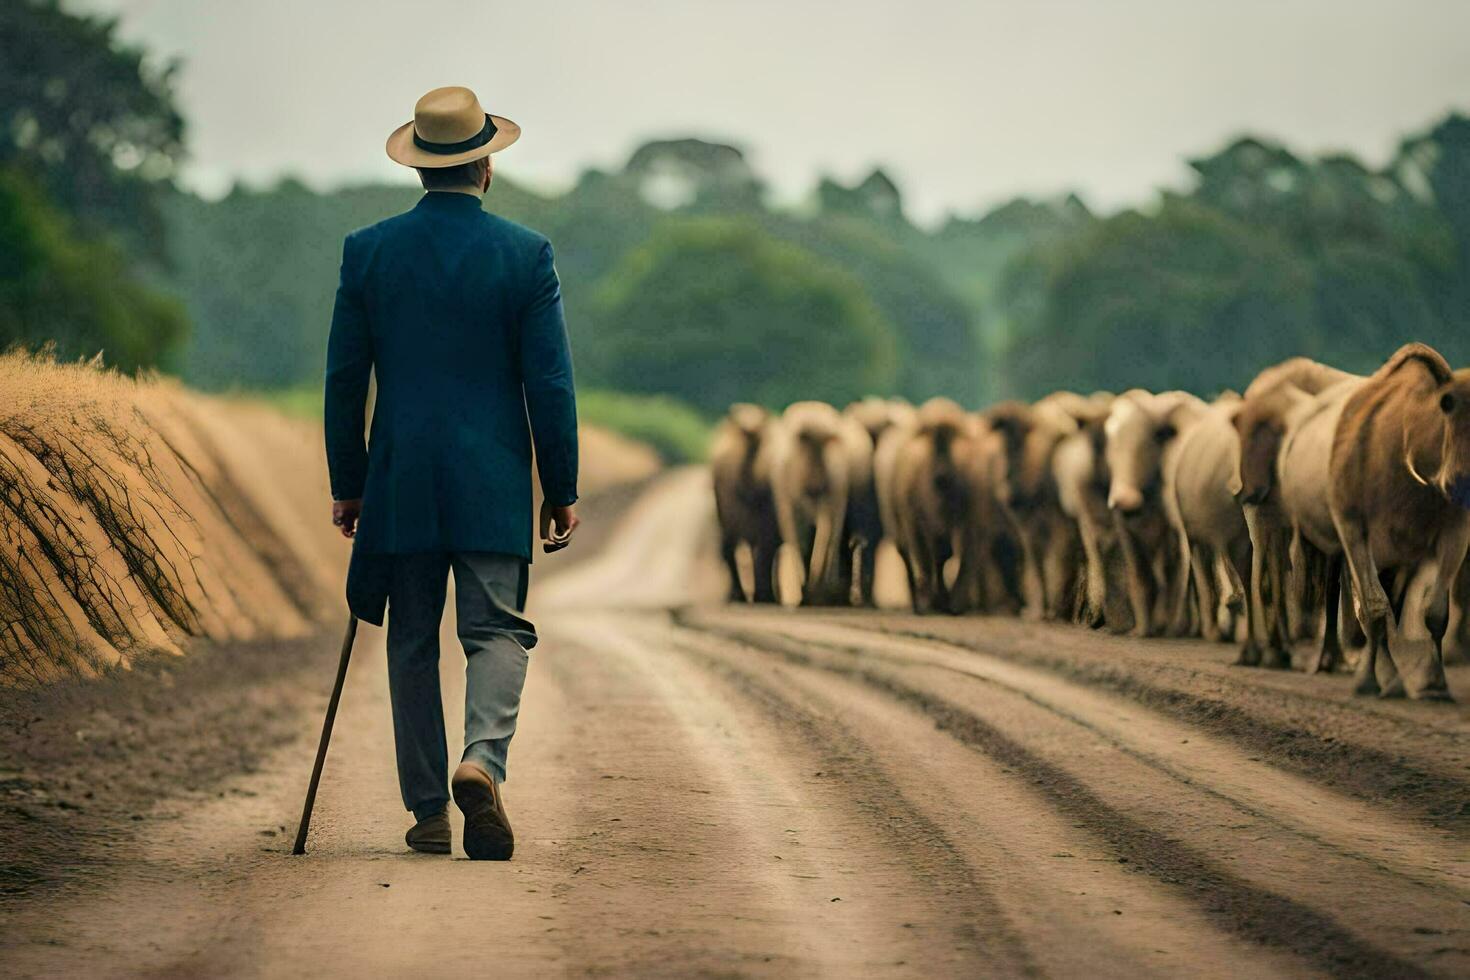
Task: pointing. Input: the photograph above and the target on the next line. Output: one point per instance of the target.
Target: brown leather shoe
(487, 833)
(431, 834)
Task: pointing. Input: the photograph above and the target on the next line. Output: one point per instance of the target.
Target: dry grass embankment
(135, 515)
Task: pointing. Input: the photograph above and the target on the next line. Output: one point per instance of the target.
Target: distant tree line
(1269, 255)
(680, 280)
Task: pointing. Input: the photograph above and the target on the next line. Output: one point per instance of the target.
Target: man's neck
(469, 189)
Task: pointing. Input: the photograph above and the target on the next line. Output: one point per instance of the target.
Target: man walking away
(458, 313)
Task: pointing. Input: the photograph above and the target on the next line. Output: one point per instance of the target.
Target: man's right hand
(345, 514)
(557, 525)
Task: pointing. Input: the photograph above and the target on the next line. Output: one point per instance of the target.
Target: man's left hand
(345, 514)
(557, 525)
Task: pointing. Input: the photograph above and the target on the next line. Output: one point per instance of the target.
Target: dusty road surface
(699, 790)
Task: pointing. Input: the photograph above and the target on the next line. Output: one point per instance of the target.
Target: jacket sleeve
(546, 374)
(349, 367)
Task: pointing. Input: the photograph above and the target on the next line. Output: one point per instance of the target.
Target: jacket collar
(449, 201)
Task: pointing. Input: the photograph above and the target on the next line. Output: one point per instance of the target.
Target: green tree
(715, 311)
(1188, 298)
(90, 119)
(1435, 168)
(56, 287)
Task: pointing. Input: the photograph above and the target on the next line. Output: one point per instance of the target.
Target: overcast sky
(967, 102)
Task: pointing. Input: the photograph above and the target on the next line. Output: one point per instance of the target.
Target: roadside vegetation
(676, 432)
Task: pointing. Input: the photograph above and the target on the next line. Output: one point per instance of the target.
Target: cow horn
(1409, 462)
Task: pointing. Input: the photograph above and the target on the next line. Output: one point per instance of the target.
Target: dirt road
(718, 791)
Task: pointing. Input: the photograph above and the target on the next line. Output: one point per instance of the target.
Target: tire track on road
(1376, 751)
(1295, 805)
(1236, 903)
(1065, 896)
(708, 846)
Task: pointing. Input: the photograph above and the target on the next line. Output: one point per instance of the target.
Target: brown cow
(1214, 541)
(1026, 489)
(1080, 471)
(1141, 428)
(740, 463)
(1400, 499)
(990, 572)
(1276, 544)
(933, 497)
(1301, 474)
(822, 457)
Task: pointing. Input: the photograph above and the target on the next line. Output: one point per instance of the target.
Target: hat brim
(402, 149)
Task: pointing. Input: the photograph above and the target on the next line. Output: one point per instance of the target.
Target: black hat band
(449, 149)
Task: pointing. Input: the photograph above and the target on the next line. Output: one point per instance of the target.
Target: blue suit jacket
(459, 314)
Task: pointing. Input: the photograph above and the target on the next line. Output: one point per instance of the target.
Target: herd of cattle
(1319, 504)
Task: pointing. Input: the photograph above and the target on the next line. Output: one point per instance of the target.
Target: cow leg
(1274, 657)
(1330, 654)
(1167, 573)
(1449, 557)
(867, 566)
(1204, 588)
(804, 541)
(763, 555)
(1265, 624)
(1179, 619)
(1173, 574)
(1300, 588)
(906, 554)
(1230, 583)
(1376, 613)
(1059, 569)
(1094, 593)
(1243, 556)
(1399, 593)
(962, 596)
(841, 593)
(1003, 586)
(1279, 575)
(728, 546)
(1033, 586)
(1232, 588)
(1353, 636)
(1140, 582)
(922, 573)
(1459, 648)
(948, 598)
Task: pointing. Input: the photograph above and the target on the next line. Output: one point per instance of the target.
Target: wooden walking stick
(321, 749)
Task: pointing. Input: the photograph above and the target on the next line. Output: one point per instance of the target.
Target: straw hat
(450, 128)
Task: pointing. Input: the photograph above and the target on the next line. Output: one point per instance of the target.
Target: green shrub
(76, 293)
(715, 311)
(299, 401)
(677, 432)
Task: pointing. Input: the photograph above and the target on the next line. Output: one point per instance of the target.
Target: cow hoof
(1434, 687)
(1277, 660)
(1367, 687)
(1249, 657)
(1323, 664)
(1395, 689)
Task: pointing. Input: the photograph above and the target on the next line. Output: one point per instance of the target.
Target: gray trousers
(489, 594)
